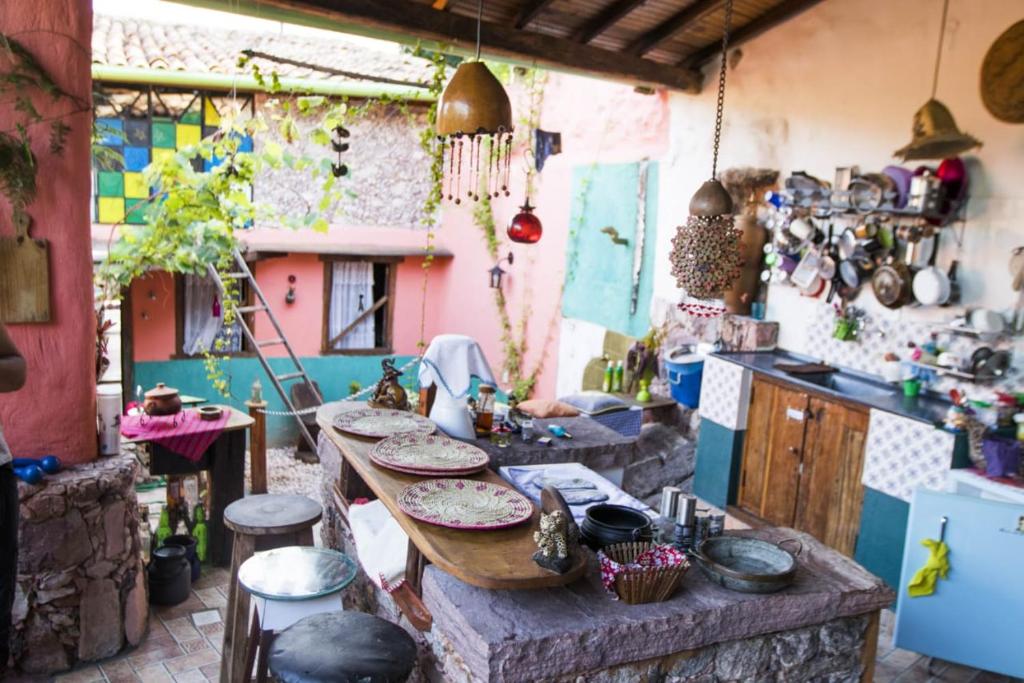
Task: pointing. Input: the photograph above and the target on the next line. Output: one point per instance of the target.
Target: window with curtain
(357, 312)
(203, 319)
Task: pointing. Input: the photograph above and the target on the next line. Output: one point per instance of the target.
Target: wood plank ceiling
(659, 43)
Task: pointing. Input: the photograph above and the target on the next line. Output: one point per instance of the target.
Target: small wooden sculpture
(558, 537)
(389, 393)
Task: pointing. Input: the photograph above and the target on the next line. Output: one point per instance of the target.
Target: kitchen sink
(847, 385)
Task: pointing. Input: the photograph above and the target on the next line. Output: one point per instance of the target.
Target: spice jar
(484, 410)
(501, 436)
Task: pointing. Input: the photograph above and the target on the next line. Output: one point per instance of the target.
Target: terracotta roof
(144, 44)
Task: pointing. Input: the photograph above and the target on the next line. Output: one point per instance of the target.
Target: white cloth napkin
(380, 543)
(526, 477)
(452, 361)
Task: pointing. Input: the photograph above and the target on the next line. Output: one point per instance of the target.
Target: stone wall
(81, 589)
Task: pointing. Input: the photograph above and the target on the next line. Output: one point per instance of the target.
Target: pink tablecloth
(189, 438)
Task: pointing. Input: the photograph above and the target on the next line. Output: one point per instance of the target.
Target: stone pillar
(60, 354)
(81, 588)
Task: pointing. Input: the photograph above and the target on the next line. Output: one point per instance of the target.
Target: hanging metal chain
(938, 54)
(479, 23)
(721, 87)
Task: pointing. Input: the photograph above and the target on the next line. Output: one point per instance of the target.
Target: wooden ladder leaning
(260, 305)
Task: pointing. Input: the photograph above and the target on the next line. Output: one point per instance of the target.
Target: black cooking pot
(606, 524)
(170, 576)
(189, 544)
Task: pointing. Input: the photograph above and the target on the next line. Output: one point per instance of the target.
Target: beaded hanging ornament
(474, 126)
(706, 257)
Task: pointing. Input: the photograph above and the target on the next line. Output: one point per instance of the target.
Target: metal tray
(747, 565)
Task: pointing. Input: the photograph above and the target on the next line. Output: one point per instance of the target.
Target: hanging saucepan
(919, 254)
(847, 243)
(901, 178)
(871, 191)
(849, 280)
(891, 283)
(932, 287)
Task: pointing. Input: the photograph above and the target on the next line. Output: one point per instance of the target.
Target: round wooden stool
(287, 585)
(342, 647)
(260, 522)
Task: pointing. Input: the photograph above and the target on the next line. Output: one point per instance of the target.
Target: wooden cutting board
(24, 279)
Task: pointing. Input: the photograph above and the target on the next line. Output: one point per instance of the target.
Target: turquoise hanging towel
(937, 566)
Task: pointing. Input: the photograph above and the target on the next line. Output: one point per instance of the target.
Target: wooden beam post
(529, 12)
(258, 446)
(407, 21)
(671, 26)
(750, 30)
(605, 20)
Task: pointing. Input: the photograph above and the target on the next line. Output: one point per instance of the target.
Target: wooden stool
(287, 585)
(342, 647)
(259, 522)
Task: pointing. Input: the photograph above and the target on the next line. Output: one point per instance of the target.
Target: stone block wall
(81, 588)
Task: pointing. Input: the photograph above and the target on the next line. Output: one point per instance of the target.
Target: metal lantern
(497, 272)
(474, 108)
(706, 256)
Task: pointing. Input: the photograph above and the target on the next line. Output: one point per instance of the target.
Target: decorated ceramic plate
(381, 422)
(465, 504)
(428, 454)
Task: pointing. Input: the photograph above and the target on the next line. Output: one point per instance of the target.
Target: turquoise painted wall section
(719, 453)
(883, 531)
(332, 373)
(599, 273)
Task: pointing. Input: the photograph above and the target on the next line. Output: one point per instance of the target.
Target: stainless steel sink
(847, 385)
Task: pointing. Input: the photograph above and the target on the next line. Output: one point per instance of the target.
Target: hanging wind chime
(936, 135)
(474, 125)
(706, 256)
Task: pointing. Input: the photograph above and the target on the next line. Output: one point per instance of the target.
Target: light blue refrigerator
(976, 616)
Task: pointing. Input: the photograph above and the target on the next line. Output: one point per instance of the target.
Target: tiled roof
(143, 44)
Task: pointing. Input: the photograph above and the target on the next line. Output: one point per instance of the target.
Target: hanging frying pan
(892, 284)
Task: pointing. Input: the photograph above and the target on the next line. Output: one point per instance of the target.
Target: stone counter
(817, 628)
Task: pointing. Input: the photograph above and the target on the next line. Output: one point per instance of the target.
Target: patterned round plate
(419, 454)
(465, 504)
(378, 423)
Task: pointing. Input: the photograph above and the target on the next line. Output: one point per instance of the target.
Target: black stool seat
(342, 647)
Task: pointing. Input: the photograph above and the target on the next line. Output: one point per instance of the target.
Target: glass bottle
(485, 410)
(200, 532)
(163, 529)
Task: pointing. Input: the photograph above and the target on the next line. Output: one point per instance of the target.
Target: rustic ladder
(261, 306)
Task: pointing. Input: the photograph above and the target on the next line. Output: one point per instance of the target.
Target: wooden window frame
(389, 314)
(179, 324)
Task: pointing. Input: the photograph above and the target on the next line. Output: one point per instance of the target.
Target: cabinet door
(755, 447)
(830, 496)
(785, 437)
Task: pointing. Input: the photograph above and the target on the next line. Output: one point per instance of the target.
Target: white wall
(838, 86)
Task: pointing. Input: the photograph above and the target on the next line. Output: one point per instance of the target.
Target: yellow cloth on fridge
(924, 580)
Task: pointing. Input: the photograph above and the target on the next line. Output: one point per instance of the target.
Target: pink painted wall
(600, 122)
(153, 321)
(56, 411)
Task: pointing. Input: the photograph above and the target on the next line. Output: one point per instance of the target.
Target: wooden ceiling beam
(529, 11)
(406, 21)
(677, 22)
(605, 20)
(752, 29)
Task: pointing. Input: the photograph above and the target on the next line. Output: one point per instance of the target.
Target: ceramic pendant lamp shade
(474, 124)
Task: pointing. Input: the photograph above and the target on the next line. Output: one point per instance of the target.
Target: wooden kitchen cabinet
(802, 460)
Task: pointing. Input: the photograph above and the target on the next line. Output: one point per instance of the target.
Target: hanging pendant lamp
(706, 251)
(936, 135)
(474, 109)
(525, 227)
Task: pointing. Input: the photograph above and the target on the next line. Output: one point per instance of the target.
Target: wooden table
(500, 559)
(225, 461)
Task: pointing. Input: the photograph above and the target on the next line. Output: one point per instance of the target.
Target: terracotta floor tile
(192, 661)
(184, 609)
(213, 577)
(155, 656)
(193, 676)
(210, 616)
(194, 645)
(119, 671)
(211, 671)
(902, 658)
(152, 642)
(957, 673)
(212, 630)
(212, 597)
(989, 677)
(155, 674)
(86, 674)
(182, 628)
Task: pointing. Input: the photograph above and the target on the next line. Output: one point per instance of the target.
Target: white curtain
(351, 296)
(204, 319)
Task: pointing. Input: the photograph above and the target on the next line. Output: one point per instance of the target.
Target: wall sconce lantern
(497, 271)
(289, 298)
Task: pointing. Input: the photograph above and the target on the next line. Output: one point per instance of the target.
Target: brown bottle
(485, 410)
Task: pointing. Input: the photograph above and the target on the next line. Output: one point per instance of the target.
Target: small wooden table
(500, 559)
(225, 461)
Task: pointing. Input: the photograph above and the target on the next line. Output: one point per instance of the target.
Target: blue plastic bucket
(684, 375)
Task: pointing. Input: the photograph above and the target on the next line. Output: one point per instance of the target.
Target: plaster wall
(56, 411)
(836, 86)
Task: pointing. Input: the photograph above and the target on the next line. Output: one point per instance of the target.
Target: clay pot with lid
(162, 400)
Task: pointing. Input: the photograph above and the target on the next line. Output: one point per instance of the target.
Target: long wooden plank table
(500, 559)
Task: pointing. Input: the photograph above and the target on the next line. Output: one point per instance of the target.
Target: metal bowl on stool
(747, 565)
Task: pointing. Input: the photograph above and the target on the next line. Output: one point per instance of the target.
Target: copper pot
(162, 400)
